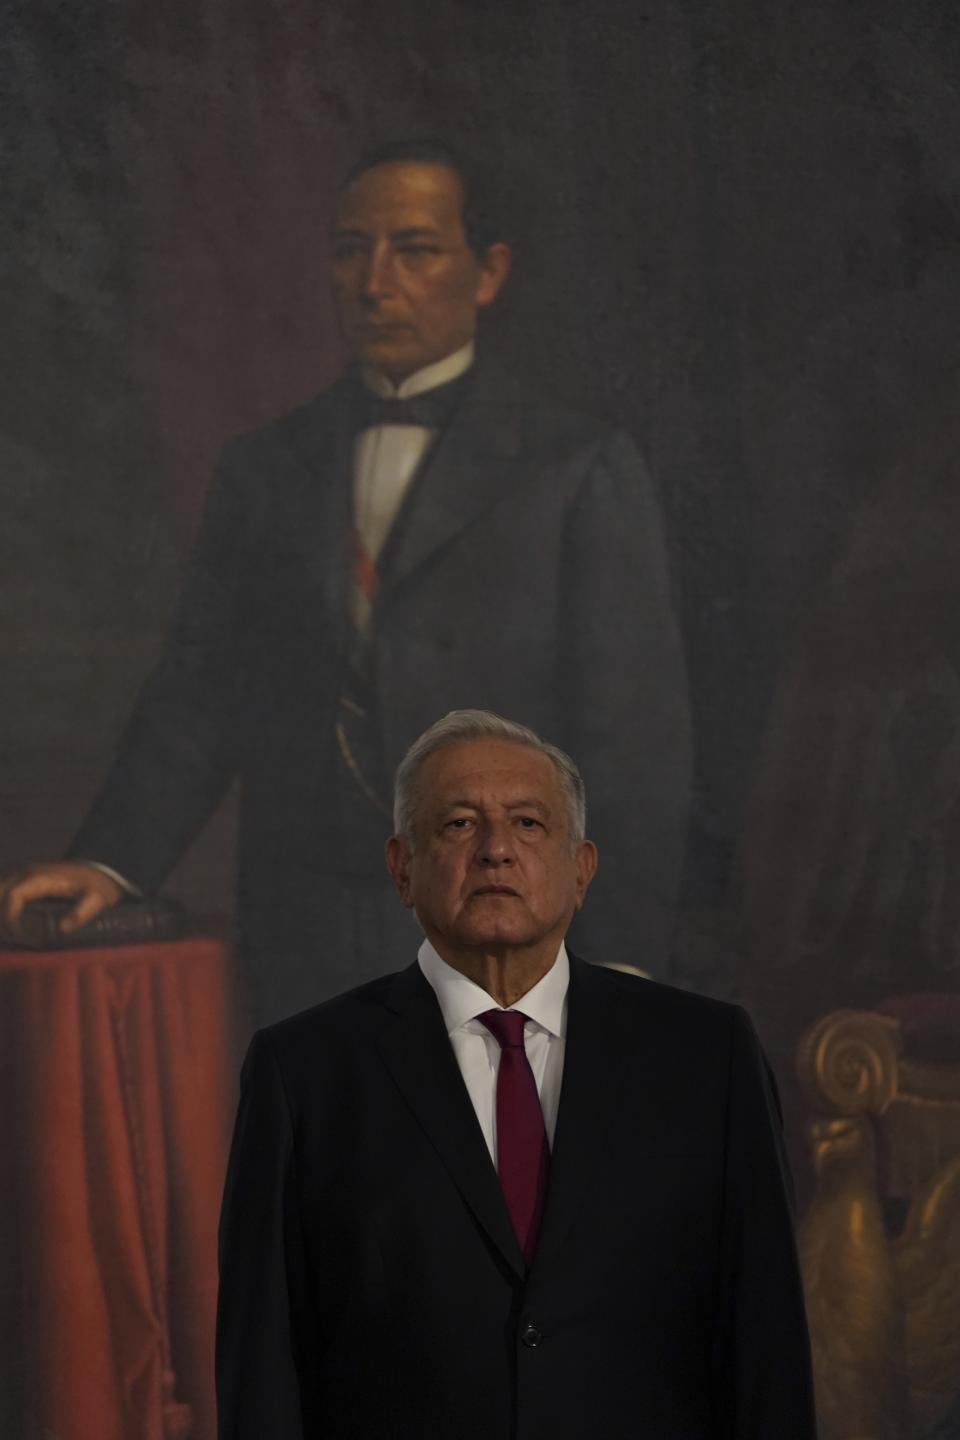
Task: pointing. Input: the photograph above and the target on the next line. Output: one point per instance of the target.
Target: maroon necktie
(523, 1156)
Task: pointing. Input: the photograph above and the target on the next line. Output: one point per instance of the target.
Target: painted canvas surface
(736, 240)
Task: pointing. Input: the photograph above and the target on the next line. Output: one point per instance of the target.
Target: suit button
(531, 1336)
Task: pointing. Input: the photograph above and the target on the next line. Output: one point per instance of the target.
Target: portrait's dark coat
(371, 1283)
(526, 573)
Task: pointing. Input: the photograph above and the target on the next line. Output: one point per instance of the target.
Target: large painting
(736, 246)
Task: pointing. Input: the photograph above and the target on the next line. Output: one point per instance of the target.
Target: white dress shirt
(477, 1051)
(385, 457)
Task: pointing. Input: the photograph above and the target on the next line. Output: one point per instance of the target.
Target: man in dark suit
(427, 534)
(503, 1194)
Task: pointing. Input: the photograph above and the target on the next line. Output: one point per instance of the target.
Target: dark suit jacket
(371, 1284)
(526, 573)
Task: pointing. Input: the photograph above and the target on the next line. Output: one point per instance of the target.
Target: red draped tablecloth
(118, 1072)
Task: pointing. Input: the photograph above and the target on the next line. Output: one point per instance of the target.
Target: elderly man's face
(492, 865)
(407, 284)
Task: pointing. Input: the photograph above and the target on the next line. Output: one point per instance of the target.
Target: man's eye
(417, 250)
(527, 822)
(460, 823)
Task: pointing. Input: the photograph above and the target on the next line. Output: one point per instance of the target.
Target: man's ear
(586, 862)
(494, 269)
(398, 863)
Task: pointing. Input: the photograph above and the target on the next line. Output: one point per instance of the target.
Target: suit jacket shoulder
(297, 443)
(684, 1027)
(638, 999)
(549, 427)
(340, 1029)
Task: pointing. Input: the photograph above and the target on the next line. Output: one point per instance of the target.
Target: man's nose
(496, 844)
(377, 278)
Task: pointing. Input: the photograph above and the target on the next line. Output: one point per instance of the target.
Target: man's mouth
(496, 890)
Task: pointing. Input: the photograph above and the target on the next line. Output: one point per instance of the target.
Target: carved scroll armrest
(848, 1062)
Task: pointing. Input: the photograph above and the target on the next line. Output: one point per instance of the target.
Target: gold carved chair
(880, 1240)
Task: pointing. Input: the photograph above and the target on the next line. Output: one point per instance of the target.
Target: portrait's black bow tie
(417, 410)
(431, 408)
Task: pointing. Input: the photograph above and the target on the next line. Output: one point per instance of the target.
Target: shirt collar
(451, 367)
(461, 999)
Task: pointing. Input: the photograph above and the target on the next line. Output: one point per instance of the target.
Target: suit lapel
(476, 460)
(417, 1052)
(473, 463)
(592, 1078)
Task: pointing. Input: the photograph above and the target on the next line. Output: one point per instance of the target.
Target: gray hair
(462, 725)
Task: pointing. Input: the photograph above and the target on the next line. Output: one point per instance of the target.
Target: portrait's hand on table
(91, 890)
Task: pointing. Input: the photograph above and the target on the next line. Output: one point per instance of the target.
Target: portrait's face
(492, 863)
(407, 284)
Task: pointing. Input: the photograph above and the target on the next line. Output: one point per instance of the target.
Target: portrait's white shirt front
(477, 1052)
(385, 457)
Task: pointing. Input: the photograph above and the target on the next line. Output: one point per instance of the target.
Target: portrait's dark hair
(481, 223)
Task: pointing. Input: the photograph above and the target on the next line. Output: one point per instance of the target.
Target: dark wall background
(737, 232)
